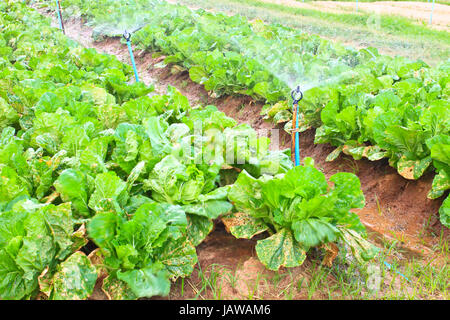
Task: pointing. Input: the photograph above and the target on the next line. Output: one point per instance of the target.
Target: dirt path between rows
(396, 209)
(417, 11)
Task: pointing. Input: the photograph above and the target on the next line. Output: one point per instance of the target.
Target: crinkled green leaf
(279, 250)
(242, 225)
(198, 228)
(116, 289)
(110, 193)
(441, 182)
(361, 249)
(444, 212)
(11, 184)
(71, 184)
(313, 232)
(74, 279)
(146, 282)
(8, 115)
(179, 257)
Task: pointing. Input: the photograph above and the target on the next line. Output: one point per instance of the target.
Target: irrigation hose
(431, 14)
(58, 10)
(297, 139)
(127, 37)
(296, 95)
(293, 134)
(389, 266)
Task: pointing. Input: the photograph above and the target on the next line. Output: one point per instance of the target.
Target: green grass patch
(388, 24)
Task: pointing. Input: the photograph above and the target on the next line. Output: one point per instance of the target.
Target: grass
(318, 277)
(404, 279)
(380, 211)
(389, 24)
(350, 164)
(210, 281)
(390, 34)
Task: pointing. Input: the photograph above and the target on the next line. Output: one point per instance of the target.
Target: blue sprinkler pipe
(58, 10)
(431, 14)
(296, 95)
(127, 37)
(399, 273)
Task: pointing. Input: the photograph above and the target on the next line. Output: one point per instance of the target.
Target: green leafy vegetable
(297, 208)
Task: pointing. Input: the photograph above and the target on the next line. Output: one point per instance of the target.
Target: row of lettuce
(104, 183)
(365, 104)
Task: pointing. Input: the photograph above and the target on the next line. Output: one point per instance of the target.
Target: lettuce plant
(34, 239)
(298, 210)
(144, 252)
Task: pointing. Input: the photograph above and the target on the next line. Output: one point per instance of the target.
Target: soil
(418, 11)
(396, 209)
(231, 266)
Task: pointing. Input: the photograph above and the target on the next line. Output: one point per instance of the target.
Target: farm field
(415, 10)
(128, 172)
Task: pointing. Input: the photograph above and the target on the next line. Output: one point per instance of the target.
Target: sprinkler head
(127, 35)
(297, 95)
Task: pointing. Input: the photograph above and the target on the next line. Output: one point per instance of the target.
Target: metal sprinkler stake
(296, 95)
(127, 37)
(58, 10)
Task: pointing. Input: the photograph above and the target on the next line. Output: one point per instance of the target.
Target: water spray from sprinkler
(127, 37)
(296, 95)
(58, 10)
